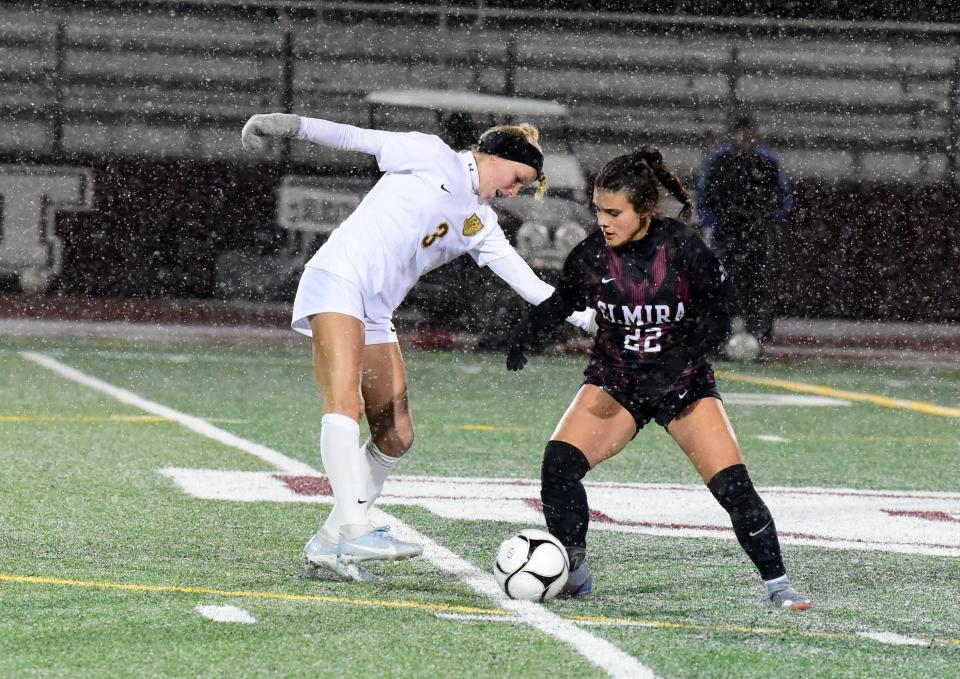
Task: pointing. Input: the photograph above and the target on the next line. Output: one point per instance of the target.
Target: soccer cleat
(320, 553)
(375, 546)
(787, 599)
(579, 582)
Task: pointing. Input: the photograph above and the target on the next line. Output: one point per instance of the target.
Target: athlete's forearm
(702, 341)
(516, 273)
(541, 319)
(339, 136)
(709, 335)
(713, 291)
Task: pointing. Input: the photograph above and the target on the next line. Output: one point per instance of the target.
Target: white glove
(263, 125)
(586, 320)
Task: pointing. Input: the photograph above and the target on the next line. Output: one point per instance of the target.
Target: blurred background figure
(743, 196)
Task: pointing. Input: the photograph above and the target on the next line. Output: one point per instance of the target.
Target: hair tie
(651, 156)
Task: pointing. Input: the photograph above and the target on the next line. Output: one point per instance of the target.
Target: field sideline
(104, 541)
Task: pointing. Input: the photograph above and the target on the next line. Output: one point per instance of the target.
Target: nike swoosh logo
(755, 533)
(606, 280)
(361, 502)
(683, 394)
(442, 186)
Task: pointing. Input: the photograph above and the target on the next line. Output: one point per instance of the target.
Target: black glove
(516, 357)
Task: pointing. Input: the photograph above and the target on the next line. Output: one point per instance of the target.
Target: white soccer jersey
(421, 214)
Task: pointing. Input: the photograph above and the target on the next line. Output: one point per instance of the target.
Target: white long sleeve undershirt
(339, 136)
(516, 273)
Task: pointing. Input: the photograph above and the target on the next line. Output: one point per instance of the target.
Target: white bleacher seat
(678, 88)
(827, 91)
(92, 62)
(892, 165)
(163, 26)
(26, 135)
(578, 84)
(826, 164)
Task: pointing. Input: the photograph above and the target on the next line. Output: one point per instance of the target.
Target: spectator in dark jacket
(744, 195)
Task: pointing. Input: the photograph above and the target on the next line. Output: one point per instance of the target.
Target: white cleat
(321, 554)
(377, 545)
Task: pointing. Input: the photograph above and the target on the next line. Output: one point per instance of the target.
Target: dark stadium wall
(870, 251)
(173, 229)
(157, 228)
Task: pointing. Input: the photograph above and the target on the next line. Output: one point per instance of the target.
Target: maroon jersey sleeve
(568, 296)
(712, 292)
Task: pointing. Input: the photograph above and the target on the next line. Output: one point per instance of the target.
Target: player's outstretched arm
(516, 273)
(336, 136)
(532, 331)
(261, 126)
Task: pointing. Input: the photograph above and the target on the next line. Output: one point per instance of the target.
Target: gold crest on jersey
(472, 225)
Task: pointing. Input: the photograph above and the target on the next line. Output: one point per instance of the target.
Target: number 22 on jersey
(650, 337)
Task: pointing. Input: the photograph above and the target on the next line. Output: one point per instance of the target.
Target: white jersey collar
(470, 165)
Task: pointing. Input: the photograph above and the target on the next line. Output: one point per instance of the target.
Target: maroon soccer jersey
(662, 305)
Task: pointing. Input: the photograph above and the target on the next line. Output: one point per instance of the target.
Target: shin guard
(563, 495)
(751, 519)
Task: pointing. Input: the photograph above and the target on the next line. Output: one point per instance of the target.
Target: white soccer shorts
(323, 292)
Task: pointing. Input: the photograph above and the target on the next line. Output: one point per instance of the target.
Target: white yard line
(195, 424)
(880, 637)
(893, 639)
(598, 651)
(225, 614)
(791, 400)
(182, 358)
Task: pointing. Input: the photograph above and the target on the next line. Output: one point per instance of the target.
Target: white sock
(777, 584)
(339, 436)
(375, 468)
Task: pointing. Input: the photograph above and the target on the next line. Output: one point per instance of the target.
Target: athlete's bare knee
(394, 439)
(405, 435)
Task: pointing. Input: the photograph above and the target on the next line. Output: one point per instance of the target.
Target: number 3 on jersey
(651, 343)
(442, 230)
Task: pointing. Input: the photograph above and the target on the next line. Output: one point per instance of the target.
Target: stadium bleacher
(120, 81)
(151, 96)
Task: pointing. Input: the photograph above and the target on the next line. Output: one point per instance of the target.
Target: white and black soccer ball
(531, 565)
(742, 346)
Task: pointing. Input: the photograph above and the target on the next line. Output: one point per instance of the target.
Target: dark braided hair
(640, 173)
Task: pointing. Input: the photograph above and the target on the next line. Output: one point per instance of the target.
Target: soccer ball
(742, 346)
(531, 565)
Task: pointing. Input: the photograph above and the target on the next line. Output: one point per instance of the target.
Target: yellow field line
(876, 399)
(433, 608)
(132, 587)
